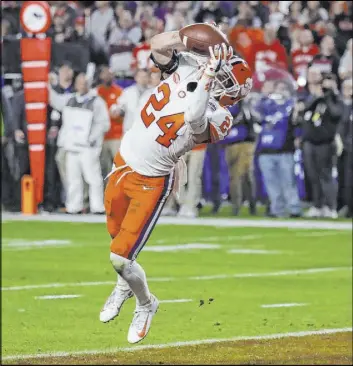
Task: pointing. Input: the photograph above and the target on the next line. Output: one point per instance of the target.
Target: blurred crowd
(291, 141)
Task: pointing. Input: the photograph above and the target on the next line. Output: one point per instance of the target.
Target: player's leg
(116, 205)
(148, 196)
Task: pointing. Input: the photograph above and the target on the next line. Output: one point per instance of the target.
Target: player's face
(234, 82)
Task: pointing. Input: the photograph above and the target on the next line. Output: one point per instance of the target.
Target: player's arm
(198, 93)
(163, 45)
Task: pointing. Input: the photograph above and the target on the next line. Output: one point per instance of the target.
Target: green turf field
(239, 269)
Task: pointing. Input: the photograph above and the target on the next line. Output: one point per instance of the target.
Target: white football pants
(84, 166)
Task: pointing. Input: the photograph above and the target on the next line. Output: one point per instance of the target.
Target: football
(199, 37)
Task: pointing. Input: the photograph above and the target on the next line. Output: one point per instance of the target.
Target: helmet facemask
(226, 84)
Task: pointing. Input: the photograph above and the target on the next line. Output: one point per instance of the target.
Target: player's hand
(219, 55)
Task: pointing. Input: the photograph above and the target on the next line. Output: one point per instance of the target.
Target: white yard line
(288, 305)
(15, 243)
(181, 247)
(175, 300)
(201, 221)
(253, 251)
(314, 234)
(55, 297)
(193, 278)
(180, 344)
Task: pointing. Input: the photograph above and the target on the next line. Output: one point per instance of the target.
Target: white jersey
(160, 136)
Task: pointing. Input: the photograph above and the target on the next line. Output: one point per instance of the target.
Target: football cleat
(142, 320)
(114, 303)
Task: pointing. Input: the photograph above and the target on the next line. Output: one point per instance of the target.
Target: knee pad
(119, 262)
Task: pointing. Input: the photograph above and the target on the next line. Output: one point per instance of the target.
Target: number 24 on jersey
(170, 124)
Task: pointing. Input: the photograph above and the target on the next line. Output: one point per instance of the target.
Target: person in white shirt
(128, 102)
(85, 120)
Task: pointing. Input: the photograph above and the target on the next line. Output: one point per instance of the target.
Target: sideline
(200, 221)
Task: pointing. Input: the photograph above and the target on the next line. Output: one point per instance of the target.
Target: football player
(185, 109)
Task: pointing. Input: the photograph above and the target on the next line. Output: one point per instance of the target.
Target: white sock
(134, 276)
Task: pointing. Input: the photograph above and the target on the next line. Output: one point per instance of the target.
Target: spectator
(85, 121)
(247, 14)
(343, 23)
(98, 26)
(20, 130)
(243, 36)
(110, 93)
(327, 60)
(345, 66)
(260, 10)
(55, 174)
(224, 25)
(79, 33)
(276, 17)
(154, 81)
(270, 52)
(210, 12)
(191, 194)
(175, 21)
(128, 102)
(284, 37)
(240, 148)
(9, 177)
(123, 38)
(68, 12)
(142, 52)
(346, 132)
(60, 31)
(303, 56)
(213, 151)
(276, 148)
(319, 123)
(11, 12)
(313, 85)
(313, 13)
(144, 14)
(295, 12)
(5, 28)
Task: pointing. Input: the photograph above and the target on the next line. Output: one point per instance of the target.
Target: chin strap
(170, 67)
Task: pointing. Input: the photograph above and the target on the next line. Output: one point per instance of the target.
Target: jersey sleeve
(220, 122)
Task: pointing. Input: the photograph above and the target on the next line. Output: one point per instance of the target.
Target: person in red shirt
(268, 52)
(110, 93)
(142, 51)
(303, 55)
